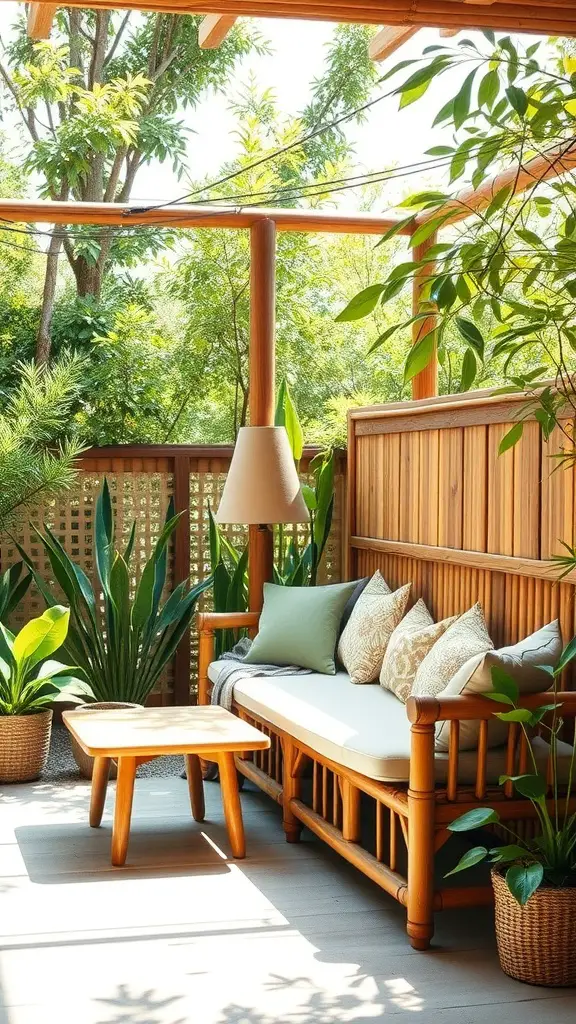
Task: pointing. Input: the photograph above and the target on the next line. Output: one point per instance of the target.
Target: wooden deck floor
(183, 935)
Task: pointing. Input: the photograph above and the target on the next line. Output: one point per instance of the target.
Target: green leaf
(309, 495)
(511, 438)
(362, 304)
(504, 683)
(469, 859)
(517, 99)
(488, 89)
(567, 656)
(517, 715)
(523, 880)
(384, 336)
(395, 229)
(476, 818)
(214, 534)
(444, 114)
(419, 355)
(469, 369)
(499, 200)
(279, 415)
(40, 637)
(411, 95)
(424, 231)
(292, 426)
(425, 199)
(444, 293)
(532, 786)
(471, 335)
(503, 854)
(462, 100)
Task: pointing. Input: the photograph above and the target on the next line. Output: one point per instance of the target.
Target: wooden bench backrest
(431, 501)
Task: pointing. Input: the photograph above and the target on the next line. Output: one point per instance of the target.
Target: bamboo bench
(410, 820)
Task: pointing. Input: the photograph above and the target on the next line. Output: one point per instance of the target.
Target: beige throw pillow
(409, 644)
(377, 585)
(466, 637)
(364, 641)
(520, 661)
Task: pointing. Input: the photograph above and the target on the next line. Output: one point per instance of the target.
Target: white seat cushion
(364, 728)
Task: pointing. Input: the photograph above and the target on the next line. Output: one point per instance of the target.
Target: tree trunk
(88, 278)
(43, 336)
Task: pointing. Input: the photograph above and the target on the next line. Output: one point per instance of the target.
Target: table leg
(123, 809)
(195, 786)
(231, 803)
(100, 773)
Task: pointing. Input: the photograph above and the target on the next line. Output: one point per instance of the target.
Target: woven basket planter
(83, 760)
(536, 942)
(24, 746)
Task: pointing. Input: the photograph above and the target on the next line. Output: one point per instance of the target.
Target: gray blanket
(232, 667)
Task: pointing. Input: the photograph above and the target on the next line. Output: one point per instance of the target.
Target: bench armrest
(208, 623)
(472, 707)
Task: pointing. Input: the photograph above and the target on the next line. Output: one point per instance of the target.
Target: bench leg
(231, 803)
(100, 774)
(421, 811)
(123, 809)
(195, 786)
(290, 789)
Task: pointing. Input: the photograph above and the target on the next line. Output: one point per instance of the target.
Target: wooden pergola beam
(555, 162)
(262, 395)
(388, 40)
(213, 30)
(40, 19)
(114, 214)
(551, 17)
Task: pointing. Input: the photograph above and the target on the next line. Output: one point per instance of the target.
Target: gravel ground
(62, 766)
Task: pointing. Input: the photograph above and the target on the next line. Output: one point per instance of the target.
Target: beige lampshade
(262, 485)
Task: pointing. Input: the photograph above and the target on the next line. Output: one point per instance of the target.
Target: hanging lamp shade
(262, 485)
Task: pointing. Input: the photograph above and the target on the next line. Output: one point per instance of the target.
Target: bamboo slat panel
(444, 485)
(142, 482)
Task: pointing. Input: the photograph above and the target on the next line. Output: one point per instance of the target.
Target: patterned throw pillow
(522, 661)
(409, 644)
(377, 585)
(462, 640)
(364, 641)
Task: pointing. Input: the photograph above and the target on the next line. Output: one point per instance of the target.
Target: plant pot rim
(500, 871)
(27, 714)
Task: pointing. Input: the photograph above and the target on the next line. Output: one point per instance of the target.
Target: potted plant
(120, 652)
(534, 880)
(29, 682)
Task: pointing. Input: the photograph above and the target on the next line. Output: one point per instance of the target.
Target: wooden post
(182, 572)
(261, 384)
(424, 384)
(421, 807)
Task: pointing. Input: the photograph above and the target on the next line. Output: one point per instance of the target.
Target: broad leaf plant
(501, 281)
(549, 859)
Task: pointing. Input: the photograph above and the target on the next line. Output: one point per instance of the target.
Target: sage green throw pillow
(300, 625)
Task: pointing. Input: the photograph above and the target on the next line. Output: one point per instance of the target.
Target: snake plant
(122, 652)
(13, 586)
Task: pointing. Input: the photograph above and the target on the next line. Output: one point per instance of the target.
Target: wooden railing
(142, 480)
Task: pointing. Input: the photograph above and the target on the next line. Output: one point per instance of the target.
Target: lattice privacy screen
(142, 481)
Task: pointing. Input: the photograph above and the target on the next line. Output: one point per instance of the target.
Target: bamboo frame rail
(183, 216)
(549, 17)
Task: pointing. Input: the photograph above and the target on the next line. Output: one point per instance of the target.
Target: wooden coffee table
(133, 736)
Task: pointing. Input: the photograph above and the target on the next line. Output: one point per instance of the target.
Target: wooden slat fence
(431, 501)
(142, 480)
